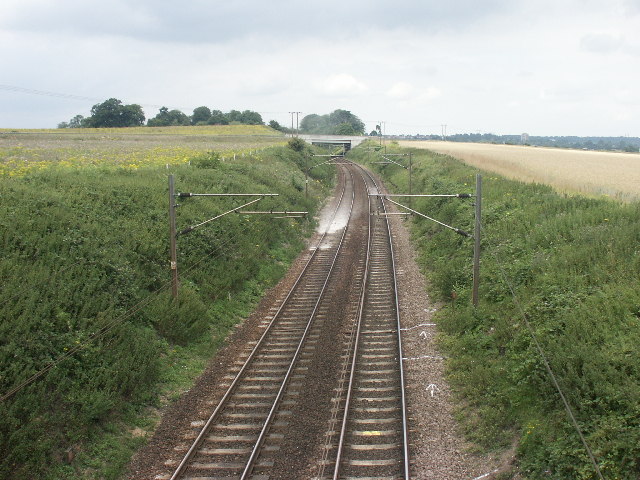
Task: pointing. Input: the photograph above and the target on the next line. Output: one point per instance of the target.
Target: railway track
(373, 441)
(326, 371)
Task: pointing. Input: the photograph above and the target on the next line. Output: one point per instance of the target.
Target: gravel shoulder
(438, 449)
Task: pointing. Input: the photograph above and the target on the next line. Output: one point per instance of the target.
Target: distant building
(524, 138)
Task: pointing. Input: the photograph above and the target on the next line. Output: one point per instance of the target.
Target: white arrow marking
(432, 388)
(433, 357)
(423, 334)
(486, 475)
(418, 326)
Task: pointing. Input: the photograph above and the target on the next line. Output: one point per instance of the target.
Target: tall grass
(85, 264)
(574, 265)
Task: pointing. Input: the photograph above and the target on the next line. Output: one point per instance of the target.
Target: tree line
(112, 113)
(624, 144)
(338, 122)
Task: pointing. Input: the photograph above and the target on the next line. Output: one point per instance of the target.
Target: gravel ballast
(438, 450)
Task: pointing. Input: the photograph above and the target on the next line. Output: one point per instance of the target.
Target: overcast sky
(545, 67)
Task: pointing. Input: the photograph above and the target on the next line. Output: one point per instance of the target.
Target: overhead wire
(70, 96)
(67, 96)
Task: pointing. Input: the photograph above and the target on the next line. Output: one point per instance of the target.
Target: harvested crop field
(573, 171)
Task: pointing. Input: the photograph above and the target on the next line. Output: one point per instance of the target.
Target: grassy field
(23, 151)
(610, 174)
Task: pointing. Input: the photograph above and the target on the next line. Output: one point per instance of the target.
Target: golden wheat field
(573, 171)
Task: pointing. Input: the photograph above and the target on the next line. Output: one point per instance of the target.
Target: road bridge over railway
(347, 142)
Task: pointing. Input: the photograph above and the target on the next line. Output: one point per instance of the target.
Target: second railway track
(320, 394)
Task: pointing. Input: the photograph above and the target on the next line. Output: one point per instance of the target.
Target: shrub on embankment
(574, 266)
(85, 273)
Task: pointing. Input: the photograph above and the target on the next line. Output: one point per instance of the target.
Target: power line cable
(69, 96)
(45, 93)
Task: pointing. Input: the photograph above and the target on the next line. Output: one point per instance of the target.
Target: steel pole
(476, 237)
(410, 175)
(172, 235)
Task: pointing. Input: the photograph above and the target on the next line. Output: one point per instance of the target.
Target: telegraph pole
(172, 233)
(172, 220)
(476, 238)
(297, 123)
(410, 175)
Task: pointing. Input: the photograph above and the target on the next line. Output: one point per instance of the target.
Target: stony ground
(438, 449)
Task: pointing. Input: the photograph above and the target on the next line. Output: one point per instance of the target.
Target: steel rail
(232, 387)
(285, 381)
(405, 427)
(343, 432)
(405, 424)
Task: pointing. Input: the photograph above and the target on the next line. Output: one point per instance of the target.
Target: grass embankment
(85, 272)
(574, 265)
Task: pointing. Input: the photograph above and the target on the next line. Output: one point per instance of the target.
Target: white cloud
(601, 43)
(341, 84)
(407, 92)
(633, 6)
(430, 93)
(401, 91)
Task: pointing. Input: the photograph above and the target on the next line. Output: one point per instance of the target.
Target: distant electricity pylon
(297, 123)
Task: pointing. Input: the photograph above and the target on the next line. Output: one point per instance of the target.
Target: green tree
(276, 126)
(338, 122)
(297, 144)
(201, 116)
(113, 114)
(338, 118)
(76, 122)
(249, 117)
(235, 116)
(313, 123)
(169, 118)
(218, 118)
(344, 129)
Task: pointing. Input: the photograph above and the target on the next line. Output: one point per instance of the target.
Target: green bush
(206, 160)
(180, 320)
